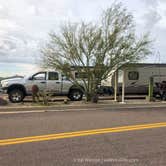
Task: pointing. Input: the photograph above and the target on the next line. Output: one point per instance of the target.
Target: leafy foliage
(96, 49)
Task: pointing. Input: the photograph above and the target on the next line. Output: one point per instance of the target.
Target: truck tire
(16, 96)
(75, 95)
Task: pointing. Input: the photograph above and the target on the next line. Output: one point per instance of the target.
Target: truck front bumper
(4, 89)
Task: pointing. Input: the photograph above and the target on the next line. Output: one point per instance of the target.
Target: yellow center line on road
(12, 141)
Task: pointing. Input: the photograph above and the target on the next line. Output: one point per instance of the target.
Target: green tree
(96, 49)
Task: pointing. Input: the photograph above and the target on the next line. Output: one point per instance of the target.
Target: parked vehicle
(162, 89)
(137, 77)
(50, 81)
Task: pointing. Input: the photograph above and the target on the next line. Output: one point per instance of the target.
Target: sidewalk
(85, 106)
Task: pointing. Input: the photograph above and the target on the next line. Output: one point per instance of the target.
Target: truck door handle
(57, 82)
(43, 82)
(133, 83)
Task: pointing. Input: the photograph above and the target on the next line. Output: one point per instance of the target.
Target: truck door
(38, 79)
(54, 82)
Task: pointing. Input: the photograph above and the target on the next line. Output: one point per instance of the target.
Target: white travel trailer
(136, 77)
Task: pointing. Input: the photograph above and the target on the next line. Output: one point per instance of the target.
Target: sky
(25, 24)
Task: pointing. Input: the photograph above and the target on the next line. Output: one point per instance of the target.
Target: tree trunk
(92, 97)
(95, 98)
(88, 97)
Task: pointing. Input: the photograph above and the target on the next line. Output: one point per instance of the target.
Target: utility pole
(123, 86)
(115, 85)
(150, 95)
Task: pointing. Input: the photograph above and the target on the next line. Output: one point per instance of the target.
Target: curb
(82, 107)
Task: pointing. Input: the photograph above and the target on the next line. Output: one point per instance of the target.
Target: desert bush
(45, 96)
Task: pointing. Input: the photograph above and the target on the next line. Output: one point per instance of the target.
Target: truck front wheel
(75, 95)
(16, 96)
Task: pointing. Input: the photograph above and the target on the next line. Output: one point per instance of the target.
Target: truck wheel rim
(16, 97)
(76, 95)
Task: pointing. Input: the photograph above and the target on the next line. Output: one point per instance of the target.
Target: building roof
(145, 65)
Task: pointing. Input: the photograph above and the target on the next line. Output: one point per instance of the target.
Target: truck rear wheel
(16, 96)
(75, 95)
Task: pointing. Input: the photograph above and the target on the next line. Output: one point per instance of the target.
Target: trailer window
(133, 75)
(82, 75)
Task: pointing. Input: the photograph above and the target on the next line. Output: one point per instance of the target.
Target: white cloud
(152, 17)
(24, 24)
(154, 20)
(18, 68)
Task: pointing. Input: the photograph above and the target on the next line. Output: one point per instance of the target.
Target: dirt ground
(59, 100)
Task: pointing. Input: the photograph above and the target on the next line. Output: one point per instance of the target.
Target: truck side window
(39, 76)
(133, 75)
(53, 76)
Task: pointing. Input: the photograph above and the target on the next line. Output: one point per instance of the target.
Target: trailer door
(133, 85)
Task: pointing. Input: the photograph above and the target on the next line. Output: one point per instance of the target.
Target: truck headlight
(4, 84)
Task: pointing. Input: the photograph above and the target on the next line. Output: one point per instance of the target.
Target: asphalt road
(137, 147)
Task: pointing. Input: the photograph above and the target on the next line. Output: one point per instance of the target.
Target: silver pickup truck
(49, 81)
